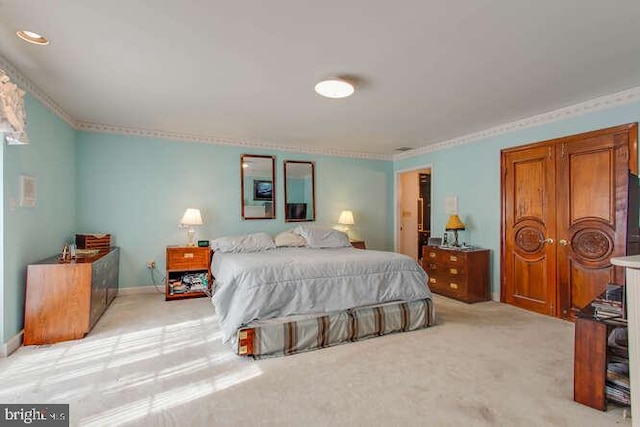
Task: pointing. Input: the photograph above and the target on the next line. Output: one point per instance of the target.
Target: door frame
(396, 199)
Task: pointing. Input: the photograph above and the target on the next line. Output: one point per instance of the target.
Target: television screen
(262, 190)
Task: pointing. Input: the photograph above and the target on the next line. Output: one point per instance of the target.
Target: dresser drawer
(452, 259)
(448, 286)
(187, 258)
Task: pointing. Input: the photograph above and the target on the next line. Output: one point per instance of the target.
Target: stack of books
(610, 304)
(617, 384)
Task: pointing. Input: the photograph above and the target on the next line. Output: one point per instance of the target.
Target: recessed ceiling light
(31, 37)
(334, 88)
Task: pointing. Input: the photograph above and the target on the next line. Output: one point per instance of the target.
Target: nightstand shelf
(187, 266)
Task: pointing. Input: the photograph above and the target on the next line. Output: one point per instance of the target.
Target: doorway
(565, 213)
(413, 210)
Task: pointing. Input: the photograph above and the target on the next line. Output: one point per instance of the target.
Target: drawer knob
(453, 258)
(188, 255)
(453, 285)
(453, 270)
(432, 280)
(432, 254)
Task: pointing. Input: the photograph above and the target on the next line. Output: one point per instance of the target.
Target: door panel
(529, 213)
(592, 217)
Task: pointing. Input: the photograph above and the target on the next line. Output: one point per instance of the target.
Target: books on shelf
(610, 304)
(189, 282)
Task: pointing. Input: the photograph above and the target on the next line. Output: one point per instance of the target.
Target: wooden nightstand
(187, 266)
(456, 273)
(358, 244)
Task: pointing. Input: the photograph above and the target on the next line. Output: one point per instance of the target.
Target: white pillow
(289, 238)
(321, 237)
(254, 242)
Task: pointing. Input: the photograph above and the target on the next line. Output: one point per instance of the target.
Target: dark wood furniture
(183, 260)
(457, 273)
(592, 356)
(358, 244)
(567, 207)
(65, 300)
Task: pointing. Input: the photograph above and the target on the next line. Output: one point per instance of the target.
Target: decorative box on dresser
(64, 300)
(462, 274)
(183, 260)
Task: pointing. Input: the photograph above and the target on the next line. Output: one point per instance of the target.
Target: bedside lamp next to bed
(190, 218)
(454, 224)
(346, 219)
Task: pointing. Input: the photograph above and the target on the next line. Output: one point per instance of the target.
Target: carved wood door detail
(564, 215)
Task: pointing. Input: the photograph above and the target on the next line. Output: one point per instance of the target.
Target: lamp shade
(191, 217)
(454, 223)
(346, 218)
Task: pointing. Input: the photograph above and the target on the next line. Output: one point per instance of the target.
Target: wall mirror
(299, 191)
(258, 186)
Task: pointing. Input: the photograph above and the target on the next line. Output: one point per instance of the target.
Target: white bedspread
(287, 281)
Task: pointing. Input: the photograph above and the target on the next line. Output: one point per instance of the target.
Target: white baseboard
(495, 296)
(12, 345)
(139, 290)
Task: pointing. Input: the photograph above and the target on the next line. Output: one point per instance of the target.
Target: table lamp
(454, 224)
(346, 219)
(190, 218)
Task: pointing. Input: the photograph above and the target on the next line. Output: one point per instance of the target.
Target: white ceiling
(428, 71)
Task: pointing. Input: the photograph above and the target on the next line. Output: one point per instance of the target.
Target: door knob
(563, 242)
(548, 240)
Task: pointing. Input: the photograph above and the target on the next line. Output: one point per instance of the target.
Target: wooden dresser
(65, 300)
(459, 274)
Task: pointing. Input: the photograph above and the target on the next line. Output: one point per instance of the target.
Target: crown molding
(180, 136)
(602, 103)
(26, 84)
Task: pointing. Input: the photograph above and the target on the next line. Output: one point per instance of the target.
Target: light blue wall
(138, 188)
(472, 172)
(32, 234)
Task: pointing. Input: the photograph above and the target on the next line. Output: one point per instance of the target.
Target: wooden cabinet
(358, 244)
(187, 265)
(601, 356)
(65, 300)
(456, 273)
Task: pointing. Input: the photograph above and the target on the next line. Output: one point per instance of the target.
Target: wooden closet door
(592, 183)
(529, 215)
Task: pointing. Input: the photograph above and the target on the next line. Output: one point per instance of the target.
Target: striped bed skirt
(296, 334)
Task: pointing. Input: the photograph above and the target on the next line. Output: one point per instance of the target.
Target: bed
(283, 300)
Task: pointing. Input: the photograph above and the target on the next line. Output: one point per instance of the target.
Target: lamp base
(190, 234)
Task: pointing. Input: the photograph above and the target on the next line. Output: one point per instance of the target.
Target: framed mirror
(258, 186)
(299, 191)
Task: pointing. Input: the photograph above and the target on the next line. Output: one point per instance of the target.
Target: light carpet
(154, 363)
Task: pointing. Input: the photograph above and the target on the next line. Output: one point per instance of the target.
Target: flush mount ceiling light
(31, 37)
(334, 88)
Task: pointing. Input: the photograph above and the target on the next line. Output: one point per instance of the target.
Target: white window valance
(13, 118)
